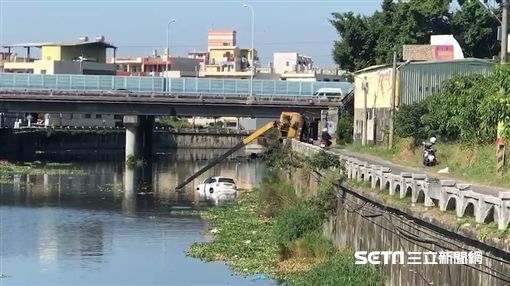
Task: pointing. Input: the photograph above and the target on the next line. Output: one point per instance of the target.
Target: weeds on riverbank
(273, 231)
(475, 163)
(242, 238)
(8, 169)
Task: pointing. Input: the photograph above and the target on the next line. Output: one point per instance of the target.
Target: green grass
(476, 163)
(248, 243)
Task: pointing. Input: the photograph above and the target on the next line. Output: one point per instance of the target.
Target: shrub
(131, 161)
(295, 223)
(275, 196)
(323, 161)
(408, 121)
(311, 245)
(466, 110)
(280, 157)
(325, 203)
(344, 128)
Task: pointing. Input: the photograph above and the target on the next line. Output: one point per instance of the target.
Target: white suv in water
(217, 186)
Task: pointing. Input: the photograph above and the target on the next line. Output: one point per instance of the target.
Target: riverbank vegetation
(8, 169)
(275, 231)
(464, 118)
(472, 163)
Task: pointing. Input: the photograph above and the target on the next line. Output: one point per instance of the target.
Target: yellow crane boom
(289, 126)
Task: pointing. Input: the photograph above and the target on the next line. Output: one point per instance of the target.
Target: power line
(402, 232)
(414, 240)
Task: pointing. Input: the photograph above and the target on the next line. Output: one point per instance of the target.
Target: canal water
(112, 226)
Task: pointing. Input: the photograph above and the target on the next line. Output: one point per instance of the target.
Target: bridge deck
(167, 85)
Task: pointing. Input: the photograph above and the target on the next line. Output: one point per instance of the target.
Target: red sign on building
(443, 53)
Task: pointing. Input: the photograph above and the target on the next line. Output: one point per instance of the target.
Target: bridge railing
(162, 85)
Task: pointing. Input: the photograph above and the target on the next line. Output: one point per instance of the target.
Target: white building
(292, 63)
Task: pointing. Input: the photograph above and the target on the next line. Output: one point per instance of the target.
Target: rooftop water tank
(84, 39)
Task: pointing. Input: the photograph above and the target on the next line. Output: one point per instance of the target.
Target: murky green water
(112, 227)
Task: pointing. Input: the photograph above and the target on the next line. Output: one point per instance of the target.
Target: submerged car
(217, 187)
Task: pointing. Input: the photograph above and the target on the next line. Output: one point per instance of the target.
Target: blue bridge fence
(162, 85)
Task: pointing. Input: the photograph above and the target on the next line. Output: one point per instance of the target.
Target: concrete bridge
(139, 99)
(159, 96)
(119, 102)
(444, 194)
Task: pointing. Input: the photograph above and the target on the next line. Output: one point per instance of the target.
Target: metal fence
(160, 84)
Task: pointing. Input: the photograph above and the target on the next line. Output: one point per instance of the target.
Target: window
(226, 180)
(286, 63)
(230, 124)
(117, 117)
(71, 116)
(87, 115)
(43, 71)
(99, 116)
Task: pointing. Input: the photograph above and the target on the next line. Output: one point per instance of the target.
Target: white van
(329, 93)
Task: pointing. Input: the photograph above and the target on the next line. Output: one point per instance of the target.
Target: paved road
(397, 169)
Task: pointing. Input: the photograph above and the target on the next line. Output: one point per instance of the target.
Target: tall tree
(355, 49)
(476, 30)
(367, 40)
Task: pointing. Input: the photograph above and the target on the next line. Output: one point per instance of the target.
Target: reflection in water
(111, 226)
(110, 185)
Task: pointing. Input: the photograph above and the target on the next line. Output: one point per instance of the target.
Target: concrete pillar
(129, 200)
(131, 123)
(324, 120)
(139, 136)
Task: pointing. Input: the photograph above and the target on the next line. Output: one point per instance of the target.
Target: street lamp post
(252, 50)
(168, 44)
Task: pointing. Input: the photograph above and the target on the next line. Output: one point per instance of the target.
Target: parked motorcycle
(429, 154)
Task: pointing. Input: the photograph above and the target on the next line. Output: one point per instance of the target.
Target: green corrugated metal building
(417, 80)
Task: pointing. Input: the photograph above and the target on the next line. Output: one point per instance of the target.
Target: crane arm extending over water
(288, 125)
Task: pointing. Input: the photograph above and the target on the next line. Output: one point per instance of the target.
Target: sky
(139, 27)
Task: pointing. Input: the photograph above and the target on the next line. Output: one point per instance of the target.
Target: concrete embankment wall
(25, 144)
(366, 222)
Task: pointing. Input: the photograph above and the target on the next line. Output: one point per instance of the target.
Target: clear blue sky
(138, 27)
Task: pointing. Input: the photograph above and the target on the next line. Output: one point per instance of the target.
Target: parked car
(216, 187)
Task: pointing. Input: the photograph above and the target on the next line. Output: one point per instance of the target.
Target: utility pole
(364, 139)
(500, 153)
(504, 31)
(393, 97)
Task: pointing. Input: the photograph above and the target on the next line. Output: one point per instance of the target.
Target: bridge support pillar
(131, 123)
(145, 134)
(139, 136)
